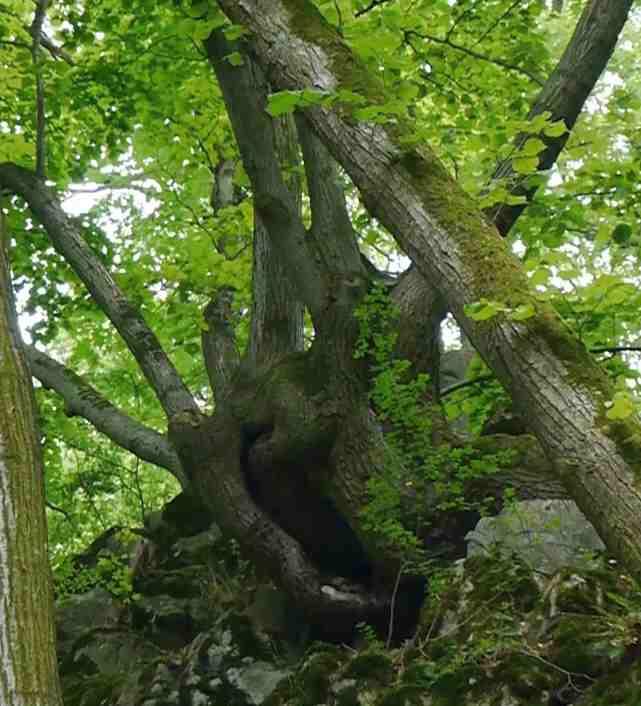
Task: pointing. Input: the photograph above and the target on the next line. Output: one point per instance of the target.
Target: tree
(27, 647)
(293, 449)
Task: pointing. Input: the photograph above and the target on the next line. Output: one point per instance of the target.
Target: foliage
(109, 571)
(423, 475)
(136, 128)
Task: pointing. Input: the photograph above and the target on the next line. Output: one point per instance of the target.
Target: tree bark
(553, 380)
(67, 239)
(28, 670)
(277, 312)
(82, 400)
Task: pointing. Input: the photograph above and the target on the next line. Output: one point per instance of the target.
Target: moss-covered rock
(490, 633)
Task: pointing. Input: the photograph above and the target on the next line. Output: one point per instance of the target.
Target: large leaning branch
(563, 96)
(68, 241)
(84, 401)
(552, 378)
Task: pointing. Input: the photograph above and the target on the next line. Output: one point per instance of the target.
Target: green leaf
(621, 234)
(525, 165)
(622, 407)
(483, 310)
(233, 32)
(532, 147)
(555, 129)
(282, 103)
(523, 312)
(540, 276)
(235, 58)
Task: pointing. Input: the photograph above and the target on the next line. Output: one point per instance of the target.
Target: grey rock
(546, 534)
(257, 680)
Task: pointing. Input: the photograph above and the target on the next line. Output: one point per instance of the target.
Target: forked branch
(68, 241)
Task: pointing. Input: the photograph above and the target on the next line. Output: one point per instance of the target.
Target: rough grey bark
(421, 312)
(244, 90)
(28, 670)
(553, 380)
(277, 325)
(68, 241)
(277, 314)
(84, 401)
(297, 436)
(220, 351)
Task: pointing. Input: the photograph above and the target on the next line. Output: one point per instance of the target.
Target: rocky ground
(177, 618)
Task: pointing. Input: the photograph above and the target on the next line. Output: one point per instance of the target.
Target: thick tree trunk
(28, 670)
(554, 382)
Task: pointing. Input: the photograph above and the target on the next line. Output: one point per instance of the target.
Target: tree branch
(55, 51)
(476, 55)
(553, 380)
(219, 343)
(486, 378)
(370, 7)
(277, 313)
(41, 141)
(68, 241)
(564, 94)
(331, 228)
(84, 401)
(421, 312)
(245, 93)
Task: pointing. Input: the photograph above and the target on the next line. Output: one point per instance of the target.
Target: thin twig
(392, 608)
(460, 18)
(486, 378)
(466, 383)
(61, 511)
(495, 24)
(476, 55)
(616, 349)
(371, 6)
(55, 51)
(339, 14)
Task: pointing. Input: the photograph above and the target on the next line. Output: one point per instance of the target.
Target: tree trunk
(554, 382)
(28, 670)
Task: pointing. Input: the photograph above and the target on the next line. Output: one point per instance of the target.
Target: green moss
(314, 679)
(497, 577)
(436, 607)
(348, 696)
(621, 688)
(576, 647)
(584, 372)
(372, 665)
(496, 275)
(526, 676)
(308, 23)
(403, 695)
(92, 690)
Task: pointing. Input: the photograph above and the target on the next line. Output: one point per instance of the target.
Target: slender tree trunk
(277, 315)
(28, 671)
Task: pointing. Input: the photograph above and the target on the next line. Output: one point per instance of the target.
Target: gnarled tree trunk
(285, 460)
